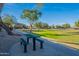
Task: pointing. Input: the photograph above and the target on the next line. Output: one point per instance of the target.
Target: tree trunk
(30, 28)
(2, 25)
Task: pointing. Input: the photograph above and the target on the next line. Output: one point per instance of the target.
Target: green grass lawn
(67, 36)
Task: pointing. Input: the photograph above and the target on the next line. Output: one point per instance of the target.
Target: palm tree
(2, 25)
(32, 16)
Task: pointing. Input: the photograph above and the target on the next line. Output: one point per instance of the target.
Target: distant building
(20, 26)
(76, 28)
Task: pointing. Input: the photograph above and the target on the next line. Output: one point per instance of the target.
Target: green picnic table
(35, 38)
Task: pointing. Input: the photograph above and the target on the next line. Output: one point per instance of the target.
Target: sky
(52, 13)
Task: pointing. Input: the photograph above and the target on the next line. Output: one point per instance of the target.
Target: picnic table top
(27, 34)
(31, 35)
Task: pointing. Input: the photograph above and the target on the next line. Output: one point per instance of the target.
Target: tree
(32, 16)
(58, 26)
(38, 25)
(41, 25)
(45, 26)
(1, 6)
(8, 21)
(77, 23)
(66, 26)
(53, 26)
(2, 25)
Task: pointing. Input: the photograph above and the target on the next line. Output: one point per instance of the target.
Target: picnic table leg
(28, 40)
(21, 43)
(25, 48)
(41, 45)
(34, 44)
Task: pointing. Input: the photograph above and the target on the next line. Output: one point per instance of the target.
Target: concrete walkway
(6, 42)
(50, 49)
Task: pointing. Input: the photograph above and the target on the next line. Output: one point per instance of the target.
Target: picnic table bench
(24, 43)
(34, 39)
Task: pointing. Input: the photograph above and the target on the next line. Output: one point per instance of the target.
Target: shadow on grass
(74, 33)
(60, 35)
(54, 35)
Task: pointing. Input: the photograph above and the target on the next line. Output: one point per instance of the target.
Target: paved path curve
(50, 49)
